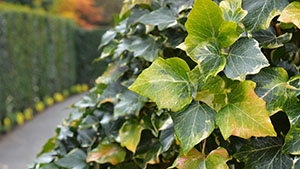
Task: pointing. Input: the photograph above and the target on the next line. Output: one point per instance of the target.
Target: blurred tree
(110, 7)
(85, 12)
(43, 4)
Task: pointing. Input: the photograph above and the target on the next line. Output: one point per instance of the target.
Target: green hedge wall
(87, 42)
(37, 57)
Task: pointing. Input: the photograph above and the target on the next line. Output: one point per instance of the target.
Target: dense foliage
(41, 55)
(87, 42)
(37, 57)
(204, 84)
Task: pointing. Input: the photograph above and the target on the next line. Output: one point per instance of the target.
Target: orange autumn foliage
(84, 12)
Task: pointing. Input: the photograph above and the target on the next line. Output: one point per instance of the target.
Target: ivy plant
(191, 84)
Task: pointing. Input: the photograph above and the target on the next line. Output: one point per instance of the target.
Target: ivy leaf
(165, 82)
(129, 4)
(206, 23)
(269, 39)
(212, 93)
(296, 162)
(163, 18)
(193, 125)
(209, 58)
(107, 37)
(194, 159)
(128, 103)
(244, 58)
(245, 114)
(264, 153)
(75, 159)
(107, 153)
(273, 85)
(261, 13)
(146, 47)
(130, 134)
(111, 74)
(232, 10)
(290, 14)
(167, 137)
(292, 139)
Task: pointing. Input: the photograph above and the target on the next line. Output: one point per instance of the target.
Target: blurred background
(47, 48)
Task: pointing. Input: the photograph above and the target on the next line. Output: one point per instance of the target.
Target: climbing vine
(204, 84)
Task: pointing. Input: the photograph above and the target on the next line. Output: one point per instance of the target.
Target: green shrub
(87, 42)
(190, 85)
(38, 56)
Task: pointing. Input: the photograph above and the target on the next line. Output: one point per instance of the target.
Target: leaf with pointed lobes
(245, 114)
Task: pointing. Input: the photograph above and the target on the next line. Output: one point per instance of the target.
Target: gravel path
(19, 148)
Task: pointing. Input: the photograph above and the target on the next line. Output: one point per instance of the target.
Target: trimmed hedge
(38, 57)
(87, 42)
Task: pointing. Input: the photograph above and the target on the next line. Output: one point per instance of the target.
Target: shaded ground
(19, 148)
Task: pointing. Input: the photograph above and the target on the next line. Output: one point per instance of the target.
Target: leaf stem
(203, 147)
(277, 28)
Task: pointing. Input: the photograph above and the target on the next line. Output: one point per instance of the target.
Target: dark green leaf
(146, 47)
(264, 153)
(261, 13)
(244, 58)
(163, 18)
(193, 125)
(269, 39)
(75, 159)
(128, 103)
(273, 86)
(167, 137)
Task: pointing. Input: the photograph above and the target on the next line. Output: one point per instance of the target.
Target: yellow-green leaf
(130, 134)
(166, 82)
(107, 153)
(291, 14)
(245, 114)
(232, 10)
(195, 160)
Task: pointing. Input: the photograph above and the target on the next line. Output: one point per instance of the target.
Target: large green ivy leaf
(75, 159)
(194, 159)
(163, 18)
(274, 86)
(244, 58)
(292, 139)
(193, 125)
(206, 23)
(245, 114)
(269, 39)
(232, 10)
(107, 153)
(291, 14)
(130, 134)
(264, 153)
(209, 58)
(146, 47)
(166, 82)
(212, 93)
(128, 103)
(261, 13)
